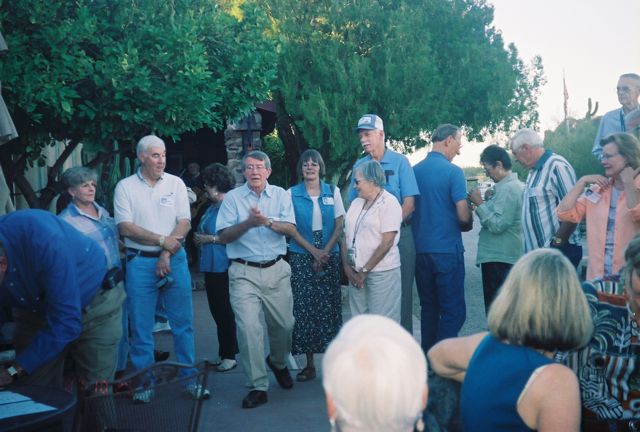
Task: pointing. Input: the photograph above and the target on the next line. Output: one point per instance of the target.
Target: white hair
(148, 141)
(376, 374)
(526, 136)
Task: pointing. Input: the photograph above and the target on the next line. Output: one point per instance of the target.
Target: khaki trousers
(95, 352)
(252, 290)
(380, 295)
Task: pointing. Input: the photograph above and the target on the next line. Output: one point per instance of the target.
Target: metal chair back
(161, 397)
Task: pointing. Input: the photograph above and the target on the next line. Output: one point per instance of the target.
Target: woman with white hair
(370, 254)
(510, 382)
(374, 377)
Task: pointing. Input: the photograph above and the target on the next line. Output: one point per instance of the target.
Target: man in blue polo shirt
(401, 183)
(442, 213)
(53, 277)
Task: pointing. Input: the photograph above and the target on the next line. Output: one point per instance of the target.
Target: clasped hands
(320, 259)
(355, 278)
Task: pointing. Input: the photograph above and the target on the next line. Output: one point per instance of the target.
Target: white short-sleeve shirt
(156, 208)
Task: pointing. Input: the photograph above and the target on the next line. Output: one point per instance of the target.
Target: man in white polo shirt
(152, 213)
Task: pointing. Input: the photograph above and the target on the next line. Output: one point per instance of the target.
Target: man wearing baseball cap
(401, 183)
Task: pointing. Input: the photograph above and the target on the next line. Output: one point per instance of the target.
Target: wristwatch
(13, 372)
(161, 241)
(270, 222)
(364, 270)
(557, 241)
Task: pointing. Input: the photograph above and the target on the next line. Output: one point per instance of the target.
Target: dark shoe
(121, 387)
(160, 355)
(306, 374)
(282, 375)
(254, 398)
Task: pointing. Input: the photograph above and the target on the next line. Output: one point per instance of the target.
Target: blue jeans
(142, 298)
(440, 281)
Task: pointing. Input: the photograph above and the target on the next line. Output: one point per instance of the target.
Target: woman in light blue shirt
(214, 263)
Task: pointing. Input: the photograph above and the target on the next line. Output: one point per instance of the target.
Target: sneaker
(142, 396)
(198, 392)
(161, 326)
(226, 365)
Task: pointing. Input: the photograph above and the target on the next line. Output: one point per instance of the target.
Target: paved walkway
(303, 407)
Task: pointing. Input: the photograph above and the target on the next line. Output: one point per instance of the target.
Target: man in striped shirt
(550, 178)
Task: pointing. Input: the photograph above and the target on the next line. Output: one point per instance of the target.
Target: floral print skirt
(317, 302)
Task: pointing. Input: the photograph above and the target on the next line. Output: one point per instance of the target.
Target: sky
(592, 42)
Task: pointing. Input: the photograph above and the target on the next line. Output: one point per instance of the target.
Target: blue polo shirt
(435, 224)
(55, 271)
(401, 182)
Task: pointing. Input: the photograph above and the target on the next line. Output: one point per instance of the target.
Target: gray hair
(444, 131)
(372, 171)
(77, 175)
(148, 141)
(376, 374)
(633, 76)
(259, 155)
(526, 136)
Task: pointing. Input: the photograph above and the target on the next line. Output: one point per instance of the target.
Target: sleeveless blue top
(495, 378)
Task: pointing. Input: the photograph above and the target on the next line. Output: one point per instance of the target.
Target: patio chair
(162, 397)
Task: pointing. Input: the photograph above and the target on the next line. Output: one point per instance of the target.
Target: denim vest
(303, 207)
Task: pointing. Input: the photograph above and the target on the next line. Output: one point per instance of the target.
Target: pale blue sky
(592, 41)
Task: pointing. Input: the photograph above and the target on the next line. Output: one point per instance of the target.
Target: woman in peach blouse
(610, 203)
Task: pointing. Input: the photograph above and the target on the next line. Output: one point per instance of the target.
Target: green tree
(416, 63)
(105, 72)
(574, 143)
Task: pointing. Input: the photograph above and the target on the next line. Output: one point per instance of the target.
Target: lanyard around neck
(361, 218)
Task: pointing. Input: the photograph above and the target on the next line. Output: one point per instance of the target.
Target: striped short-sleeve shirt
(547, 184)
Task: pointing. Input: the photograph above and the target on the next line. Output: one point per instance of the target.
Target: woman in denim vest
(315, 261)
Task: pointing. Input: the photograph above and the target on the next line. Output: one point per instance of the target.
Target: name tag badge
(327, 200)
(592, 195)
(167, 201)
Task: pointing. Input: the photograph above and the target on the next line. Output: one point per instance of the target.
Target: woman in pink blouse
(610, 203)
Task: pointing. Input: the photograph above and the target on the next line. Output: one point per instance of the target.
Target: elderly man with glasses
(253, 222)
(628, 90)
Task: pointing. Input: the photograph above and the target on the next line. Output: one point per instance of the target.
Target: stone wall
(236, 135)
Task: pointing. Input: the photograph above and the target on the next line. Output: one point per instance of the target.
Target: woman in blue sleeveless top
(510, 382)
(315, 261)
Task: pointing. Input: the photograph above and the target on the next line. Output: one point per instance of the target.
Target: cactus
(590, 113)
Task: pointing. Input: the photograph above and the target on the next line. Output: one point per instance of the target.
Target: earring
(332, 422)
(420, 424)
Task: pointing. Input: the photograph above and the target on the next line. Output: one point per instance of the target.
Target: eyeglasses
(310, 165)
(254, 167)
(623, 89)
(606, 156)
(357, 181)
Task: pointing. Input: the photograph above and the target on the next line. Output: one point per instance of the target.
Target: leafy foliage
(574, 143)
(416, 63)
(101, 71)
